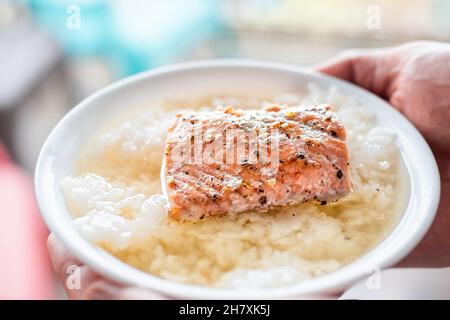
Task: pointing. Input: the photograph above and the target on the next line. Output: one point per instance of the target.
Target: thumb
(366, 68)
(339, 66)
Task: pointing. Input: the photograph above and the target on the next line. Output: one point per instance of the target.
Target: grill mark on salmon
(312, 160)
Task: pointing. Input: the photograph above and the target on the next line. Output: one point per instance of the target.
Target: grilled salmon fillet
(231, 161)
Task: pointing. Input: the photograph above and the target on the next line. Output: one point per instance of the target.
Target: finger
(370, 69)
(61, 259)
(73, 275)
(135, 293)
(106, 290)
(340, 66)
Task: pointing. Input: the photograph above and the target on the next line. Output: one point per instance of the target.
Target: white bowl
(191, 80)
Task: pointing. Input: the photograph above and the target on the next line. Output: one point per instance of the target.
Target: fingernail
(102, 291)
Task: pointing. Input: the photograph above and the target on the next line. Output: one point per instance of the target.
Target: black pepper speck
(262, 200)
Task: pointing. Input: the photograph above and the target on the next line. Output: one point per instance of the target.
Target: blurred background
(54, 53)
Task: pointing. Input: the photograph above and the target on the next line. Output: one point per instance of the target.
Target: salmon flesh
(231, 161)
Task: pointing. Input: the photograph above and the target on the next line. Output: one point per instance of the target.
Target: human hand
(92, 285)
(415, 79)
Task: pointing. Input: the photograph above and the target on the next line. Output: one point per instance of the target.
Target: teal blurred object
(132, 36)
(95, 36)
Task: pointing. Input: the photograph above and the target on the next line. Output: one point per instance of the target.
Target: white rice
(114, 198)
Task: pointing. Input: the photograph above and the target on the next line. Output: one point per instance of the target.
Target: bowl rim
(106, 264)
